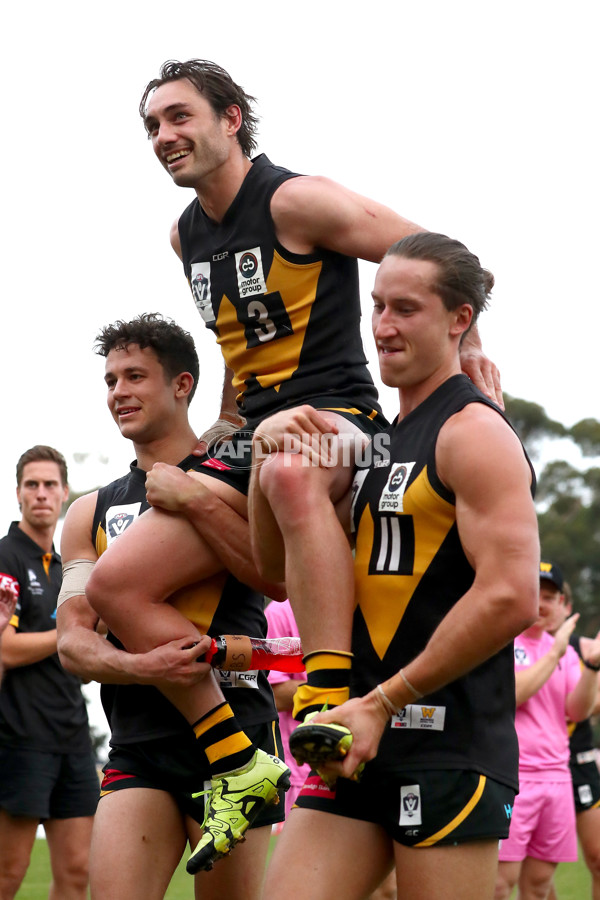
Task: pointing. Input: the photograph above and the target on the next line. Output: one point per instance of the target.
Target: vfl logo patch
(250, 275)
(410, 805)
(119, 518)
(200, 285)
(391, 499)
(521, 657)
(585, 794)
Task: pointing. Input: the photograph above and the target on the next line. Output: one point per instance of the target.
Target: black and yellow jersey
(288, 324)
(410, 570)
(218, 605)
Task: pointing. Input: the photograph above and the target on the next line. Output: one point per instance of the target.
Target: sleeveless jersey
(288, 324)
(218, 605)
(410, 570)
(581, 735)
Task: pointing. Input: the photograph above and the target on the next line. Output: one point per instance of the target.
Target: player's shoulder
(478, 419)
(81, 510)
(294, 193)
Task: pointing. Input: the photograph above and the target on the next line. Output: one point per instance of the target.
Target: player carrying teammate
(446, 575)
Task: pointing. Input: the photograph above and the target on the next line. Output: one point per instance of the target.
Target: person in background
(47, 768)
(281, 623)
(583, 763)
(551, 687)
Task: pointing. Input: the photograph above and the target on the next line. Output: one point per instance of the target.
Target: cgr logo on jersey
(393, 492)
(200, 285)
(119, 518)
(410, 805)
(250, 275)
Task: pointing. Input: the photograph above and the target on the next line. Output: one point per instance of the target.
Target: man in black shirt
(47, 769)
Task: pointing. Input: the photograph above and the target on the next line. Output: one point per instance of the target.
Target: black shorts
(43, 786)
(586, 782)
(231, 460)
(171, 764)
(419, 808)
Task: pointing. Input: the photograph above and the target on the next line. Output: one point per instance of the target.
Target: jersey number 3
(267, 319)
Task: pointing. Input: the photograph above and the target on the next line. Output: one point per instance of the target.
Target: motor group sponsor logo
(392, 495)
(248, 265)
(410, 805)
(423, 718)
(250, 274)
(521, 657)
(119, 518)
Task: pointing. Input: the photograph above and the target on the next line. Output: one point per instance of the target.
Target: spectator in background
(281, 623)
(583, 765)
(47, 768)
(550, 687)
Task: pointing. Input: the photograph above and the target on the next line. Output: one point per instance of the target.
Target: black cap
(550, 572)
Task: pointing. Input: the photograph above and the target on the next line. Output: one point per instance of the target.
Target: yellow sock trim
(215, 718)
(227, 747)
(327, 659)
(313, 696)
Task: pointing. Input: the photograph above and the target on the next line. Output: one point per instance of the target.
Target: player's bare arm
(491, 481)
(312, 211)
(24, 649)
(224, 527)
(85, 652)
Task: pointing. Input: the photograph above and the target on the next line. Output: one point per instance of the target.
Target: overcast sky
(475, 119)
(478, 119)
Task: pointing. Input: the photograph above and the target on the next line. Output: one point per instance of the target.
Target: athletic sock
(224, 743)
(327, 684)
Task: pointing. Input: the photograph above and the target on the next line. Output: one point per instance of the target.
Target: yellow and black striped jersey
(288, 324)
(410, 570)
(218, 605)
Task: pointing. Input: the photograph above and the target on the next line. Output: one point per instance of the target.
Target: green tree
(568, 503)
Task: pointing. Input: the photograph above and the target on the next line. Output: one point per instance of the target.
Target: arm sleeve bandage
(75, 577)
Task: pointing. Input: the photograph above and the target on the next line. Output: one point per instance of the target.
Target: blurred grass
(572, 879)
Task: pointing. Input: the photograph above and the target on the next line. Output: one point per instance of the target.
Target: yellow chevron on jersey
(384, 602)
(271, 362)
(101, 540)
